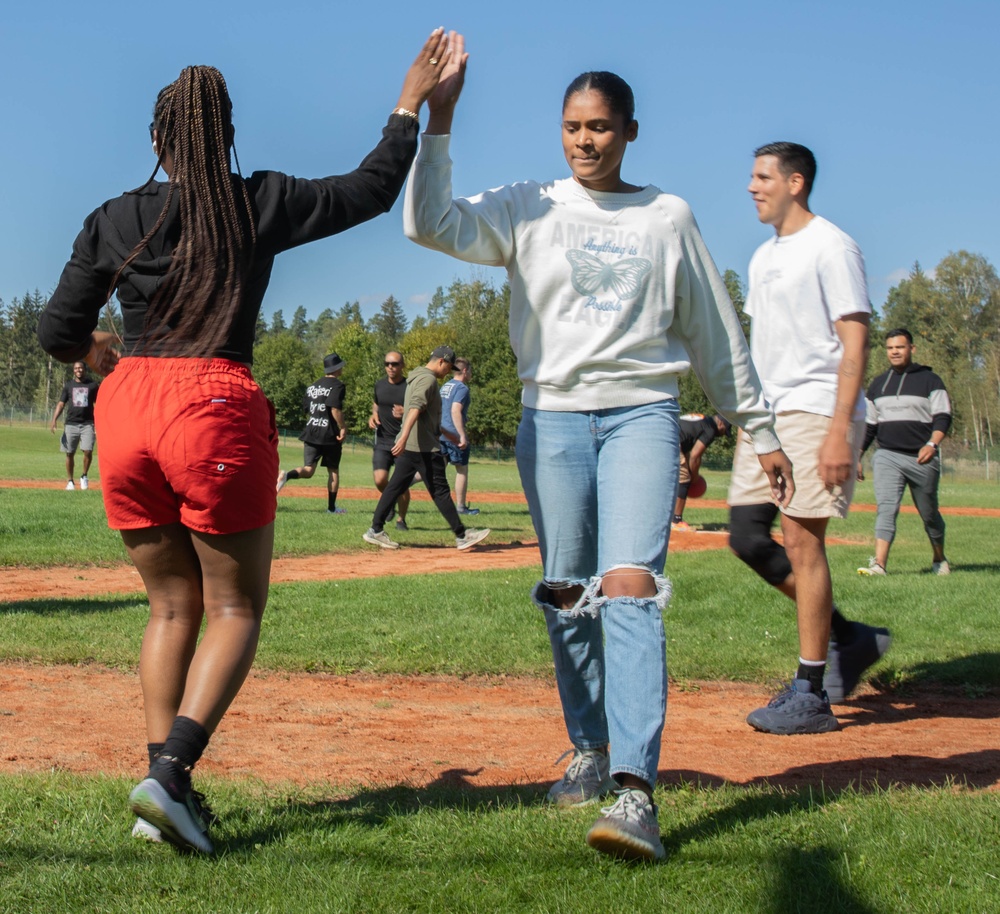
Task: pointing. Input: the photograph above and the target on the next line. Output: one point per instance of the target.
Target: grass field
(64, 844)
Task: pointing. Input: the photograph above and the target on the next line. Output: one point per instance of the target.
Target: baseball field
(392, 748)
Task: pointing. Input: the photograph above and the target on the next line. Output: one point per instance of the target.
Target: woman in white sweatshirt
(613, 296)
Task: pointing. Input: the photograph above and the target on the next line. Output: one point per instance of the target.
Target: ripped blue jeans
(601, 488)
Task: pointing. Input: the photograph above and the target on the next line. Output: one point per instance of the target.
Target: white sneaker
(84, 482)
(471, 538)
(147, 831)
(941, 567)
(873, 568)
(628, 829)
(69, 486)
(282, 479)
(379, 539)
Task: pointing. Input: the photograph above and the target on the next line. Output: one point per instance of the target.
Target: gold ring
(434, 61)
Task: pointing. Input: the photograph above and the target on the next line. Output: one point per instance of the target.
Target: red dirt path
(374, 731)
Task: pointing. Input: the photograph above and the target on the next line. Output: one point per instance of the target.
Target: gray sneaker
(795, 710)
(282, 479)
(401, 526)
(941, 567)
(471, 538)
(629, 829)
(379, 539)
(585, 780)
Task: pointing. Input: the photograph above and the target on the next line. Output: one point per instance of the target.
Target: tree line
(952, 311)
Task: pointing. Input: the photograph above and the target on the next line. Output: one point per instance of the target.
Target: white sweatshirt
(612, 296)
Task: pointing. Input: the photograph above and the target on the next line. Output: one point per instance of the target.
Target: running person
(188, 439)
(611, 289)
(323, 436)
(386, 420)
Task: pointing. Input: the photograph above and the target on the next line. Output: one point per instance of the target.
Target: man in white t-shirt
(808, 302)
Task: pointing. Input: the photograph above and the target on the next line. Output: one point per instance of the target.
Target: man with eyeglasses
(386, 420)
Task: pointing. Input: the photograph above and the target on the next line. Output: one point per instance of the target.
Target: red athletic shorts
(186, 440)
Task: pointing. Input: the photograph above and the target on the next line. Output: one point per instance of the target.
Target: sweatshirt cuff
(434, 148)
(765, 441)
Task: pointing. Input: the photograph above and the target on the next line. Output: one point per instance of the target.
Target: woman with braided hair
(189, 446)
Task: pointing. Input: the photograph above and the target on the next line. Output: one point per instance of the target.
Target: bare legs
(191, 576)
(812, 590)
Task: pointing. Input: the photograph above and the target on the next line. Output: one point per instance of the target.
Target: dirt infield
(380, 731)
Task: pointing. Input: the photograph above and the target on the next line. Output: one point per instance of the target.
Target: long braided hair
(193, 308)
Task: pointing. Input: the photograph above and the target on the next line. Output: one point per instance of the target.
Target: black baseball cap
(446, 353)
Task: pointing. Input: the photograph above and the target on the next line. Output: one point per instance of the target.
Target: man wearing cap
(697, 433)
(417, 450)
(323, 403)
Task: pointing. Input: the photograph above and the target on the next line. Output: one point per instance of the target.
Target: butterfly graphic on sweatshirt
(592, 276)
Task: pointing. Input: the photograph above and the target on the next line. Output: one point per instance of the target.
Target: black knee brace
(750, 538)
(682, 489)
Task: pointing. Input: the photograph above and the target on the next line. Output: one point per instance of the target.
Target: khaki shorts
(685, 476)
(801, 436)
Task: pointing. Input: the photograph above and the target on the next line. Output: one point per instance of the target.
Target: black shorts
(382, 458)
(326, 454)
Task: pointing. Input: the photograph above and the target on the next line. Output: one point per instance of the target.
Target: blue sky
(897, 99)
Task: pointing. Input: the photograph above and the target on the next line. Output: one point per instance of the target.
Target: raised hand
(425, 72)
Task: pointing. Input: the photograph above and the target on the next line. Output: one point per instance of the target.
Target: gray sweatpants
(893, 472)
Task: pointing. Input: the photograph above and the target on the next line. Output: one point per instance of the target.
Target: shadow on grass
(76, 605)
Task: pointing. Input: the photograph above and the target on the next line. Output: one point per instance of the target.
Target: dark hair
(793, 159)
(617, 93)
(900, 331)
(194, 306)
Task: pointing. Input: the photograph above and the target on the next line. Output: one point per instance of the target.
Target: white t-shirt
(800, 286)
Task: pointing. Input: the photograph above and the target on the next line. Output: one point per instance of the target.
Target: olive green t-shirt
(423, 393)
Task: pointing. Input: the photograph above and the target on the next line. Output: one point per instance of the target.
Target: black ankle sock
(331, 501)
(843, 632)
(186, 742)
(678, 518)
(292, 474)
(814, 675)
(154, 749)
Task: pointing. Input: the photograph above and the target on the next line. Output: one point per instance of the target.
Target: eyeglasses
(393, 364)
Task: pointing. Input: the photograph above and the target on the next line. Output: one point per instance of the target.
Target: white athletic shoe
(628, 829)
(69, 486)
(147, 831)
(471, 538)
(379, 539)
(941, 567)
(282, 479)
(873, 568)
(586, 779)
(84, 482)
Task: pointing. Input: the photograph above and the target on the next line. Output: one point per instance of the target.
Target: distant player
(455, 400)
(386, 420)
(909, 414)
(77, 398)
(697, 433)
(325, 431)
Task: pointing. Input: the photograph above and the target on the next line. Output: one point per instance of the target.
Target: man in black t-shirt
(386, 420)
(697, 433)
(77, 399)
(325, 430)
